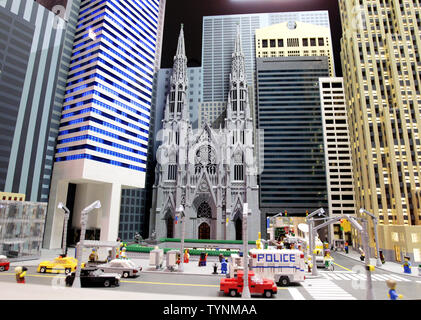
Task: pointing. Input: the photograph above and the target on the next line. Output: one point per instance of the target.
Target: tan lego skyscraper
(295, 39)
(382, 67)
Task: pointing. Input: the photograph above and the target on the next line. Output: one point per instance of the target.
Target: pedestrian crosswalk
(361, 276)
(324, 289)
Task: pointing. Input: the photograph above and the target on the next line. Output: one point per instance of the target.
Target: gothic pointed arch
(238, 224)
(169, 205)
(204, 186)
(204, 231)
(169, 223)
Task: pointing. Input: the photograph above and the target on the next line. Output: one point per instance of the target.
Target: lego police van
(283, 266)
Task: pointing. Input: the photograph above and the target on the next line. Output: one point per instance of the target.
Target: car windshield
(59, 261)
(97, 272)
(130, 263)
(115, 264)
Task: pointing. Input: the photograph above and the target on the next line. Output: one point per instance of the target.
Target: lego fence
(194, 252)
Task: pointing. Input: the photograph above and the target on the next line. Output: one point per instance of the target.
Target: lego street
(346, 282)
(244, 151)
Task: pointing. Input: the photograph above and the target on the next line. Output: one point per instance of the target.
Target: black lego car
(93, 277)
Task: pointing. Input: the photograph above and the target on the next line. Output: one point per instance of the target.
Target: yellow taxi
(59, 265)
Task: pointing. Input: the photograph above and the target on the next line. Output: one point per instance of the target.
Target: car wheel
(107, 283)
(268, 294)
(67, 271)
(2, 268)
(125, 274)
(283, 282)
(233, 293)
(42, 270)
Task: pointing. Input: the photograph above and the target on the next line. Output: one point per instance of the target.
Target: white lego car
(126, 268)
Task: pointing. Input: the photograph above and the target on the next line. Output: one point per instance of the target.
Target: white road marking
(397, 278)
(379, 277)
(296, 295)
(340, 275)
(324, 289)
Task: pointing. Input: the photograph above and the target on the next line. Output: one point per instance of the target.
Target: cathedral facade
(206, 175)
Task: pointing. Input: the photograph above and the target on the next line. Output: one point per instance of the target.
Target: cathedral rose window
(204, 211)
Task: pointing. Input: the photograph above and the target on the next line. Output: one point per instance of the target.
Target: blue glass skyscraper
(103, 137)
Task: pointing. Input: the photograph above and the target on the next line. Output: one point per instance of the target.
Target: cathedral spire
(237, 46)
(179, 74)
(181, 49)
(237, 68)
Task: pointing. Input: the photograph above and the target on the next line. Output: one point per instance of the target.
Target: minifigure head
(124, 249)
(391, 284)
(18, 270)
(406, 258)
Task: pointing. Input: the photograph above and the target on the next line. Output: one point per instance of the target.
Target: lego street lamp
(368, 267)
(246, 290)
(66, 220)
(180, 212)
(378, 261)
(310, 223)
(83, 221)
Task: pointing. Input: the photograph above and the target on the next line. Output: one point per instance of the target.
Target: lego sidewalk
(15, 291)
(389, 266)
(141, 259)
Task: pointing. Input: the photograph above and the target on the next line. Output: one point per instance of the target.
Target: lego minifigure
(118, 250)
(215, 268)
(110, 255)
(259, 244)
(20, 273)
(309, 264)
(407, 265)
(93, 256)
(123, 253)
(362, 256)
(346, 248)
(224, 267)
(186, 256)
(328, 261)
(392, 292)
(382, 259)
(202, 260)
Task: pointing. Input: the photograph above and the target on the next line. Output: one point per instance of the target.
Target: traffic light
(347, 226)
(286, 213)
(306, 213)
(370, 268)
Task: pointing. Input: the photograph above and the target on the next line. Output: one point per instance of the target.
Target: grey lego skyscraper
(218, 42)
(34, 59)
(289, 113)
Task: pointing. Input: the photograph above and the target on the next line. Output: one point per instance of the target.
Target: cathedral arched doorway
(204, 231)
(170, 227)
(238, 229)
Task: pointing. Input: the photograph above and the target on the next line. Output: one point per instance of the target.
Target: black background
(191, 12)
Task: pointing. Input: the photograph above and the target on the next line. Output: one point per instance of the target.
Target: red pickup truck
(234, 286)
